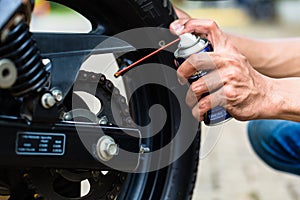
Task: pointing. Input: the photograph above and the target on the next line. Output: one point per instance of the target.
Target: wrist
(267, 102)
(284, 99)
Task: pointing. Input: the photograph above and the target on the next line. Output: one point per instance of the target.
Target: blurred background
(231, 171)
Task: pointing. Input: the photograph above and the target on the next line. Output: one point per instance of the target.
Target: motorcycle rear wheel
(110, 17)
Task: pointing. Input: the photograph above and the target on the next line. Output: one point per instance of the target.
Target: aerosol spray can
(191, 44)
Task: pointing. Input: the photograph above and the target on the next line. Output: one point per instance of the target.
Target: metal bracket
(69, 51)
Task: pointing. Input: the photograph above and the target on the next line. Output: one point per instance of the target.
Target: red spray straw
(121, 72)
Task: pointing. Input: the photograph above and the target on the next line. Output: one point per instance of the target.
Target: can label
(191, 44)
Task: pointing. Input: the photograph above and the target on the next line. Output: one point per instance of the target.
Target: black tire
(109, 17)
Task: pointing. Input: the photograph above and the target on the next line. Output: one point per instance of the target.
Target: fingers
(231, 78)
(207, 84)
(197, 26)
(195, 63)
(185, 71)
(223, 71)
(177, 26)
(206, 61)
(191, 25)
(207, 103)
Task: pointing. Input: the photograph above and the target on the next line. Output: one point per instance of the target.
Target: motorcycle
(51, 141)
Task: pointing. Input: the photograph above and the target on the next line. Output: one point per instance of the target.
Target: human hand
(232, 82)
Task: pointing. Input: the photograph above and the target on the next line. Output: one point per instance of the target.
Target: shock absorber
(22, 71)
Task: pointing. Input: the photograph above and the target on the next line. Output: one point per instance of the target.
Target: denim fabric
(277, 142)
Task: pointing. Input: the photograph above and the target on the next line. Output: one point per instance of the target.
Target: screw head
(103, 120)
(144, 149)
(67, 116)
(57, 94)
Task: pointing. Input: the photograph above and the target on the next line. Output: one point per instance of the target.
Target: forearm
(279, 59)
(284, 103)
(274, 58)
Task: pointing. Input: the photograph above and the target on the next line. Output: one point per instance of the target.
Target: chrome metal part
(8, 73)
(144, 149)
(48, 100)
(107, 148)
(103, 120)
(81, 113)
(57, 94)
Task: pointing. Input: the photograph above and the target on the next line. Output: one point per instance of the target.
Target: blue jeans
(277, 142)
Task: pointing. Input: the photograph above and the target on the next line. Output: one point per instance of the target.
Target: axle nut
(106, 148)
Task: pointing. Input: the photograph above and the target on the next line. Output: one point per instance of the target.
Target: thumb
(177, 26)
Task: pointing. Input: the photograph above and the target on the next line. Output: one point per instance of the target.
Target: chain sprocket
(58, 184)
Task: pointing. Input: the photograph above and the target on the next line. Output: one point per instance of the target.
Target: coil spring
(22, 50)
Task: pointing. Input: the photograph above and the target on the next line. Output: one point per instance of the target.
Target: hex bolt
(48, 101)
(106, 148)
(57, 94)
(112, 149)
(67, 116)
(144, 149)
(103, 120)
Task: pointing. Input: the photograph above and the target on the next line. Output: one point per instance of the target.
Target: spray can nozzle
(190, 44)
